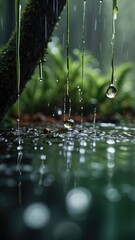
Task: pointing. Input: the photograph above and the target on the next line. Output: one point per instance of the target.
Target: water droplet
(40, 70)
(111, 91)
(69, 123)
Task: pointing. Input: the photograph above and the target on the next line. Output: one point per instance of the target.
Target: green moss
(32, 48)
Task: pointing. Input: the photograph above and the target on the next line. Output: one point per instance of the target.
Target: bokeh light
(78, 201)
(36, 215)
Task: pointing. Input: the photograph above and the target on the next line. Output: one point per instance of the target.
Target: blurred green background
(47, 96)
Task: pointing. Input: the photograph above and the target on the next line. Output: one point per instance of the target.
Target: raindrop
(36, 215)
(40, 71)
(111, 91)
(69, 123)
(2, 25)
(95, 26)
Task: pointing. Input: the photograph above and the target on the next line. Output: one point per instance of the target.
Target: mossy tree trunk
(37, 26)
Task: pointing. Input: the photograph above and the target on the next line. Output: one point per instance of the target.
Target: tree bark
(37, 26)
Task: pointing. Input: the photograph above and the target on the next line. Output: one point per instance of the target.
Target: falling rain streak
(111, 91)
(18, 9)
(83, 49)
(94, 120)
(68, 123)
(67, 46)
(18, 21)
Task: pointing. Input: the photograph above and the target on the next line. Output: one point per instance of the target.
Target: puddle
(50, 163)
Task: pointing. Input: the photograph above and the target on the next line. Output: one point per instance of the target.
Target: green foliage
(48, 95)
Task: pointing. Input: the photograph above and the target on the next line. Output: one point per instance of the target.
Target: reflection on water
(68, 184)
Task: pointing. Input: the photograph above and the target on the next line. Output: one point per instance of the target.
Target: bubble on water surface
(36, 215)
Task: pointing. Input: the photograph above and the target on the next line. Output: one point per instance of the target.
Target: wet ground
(60, 184)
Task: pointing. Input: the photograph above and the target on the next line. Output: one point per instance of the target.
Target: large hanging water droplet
(40, 70)
(69, 123)
(111, 91)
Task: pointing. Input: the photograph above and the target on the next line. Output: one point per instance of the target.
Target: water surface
(68, 184)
